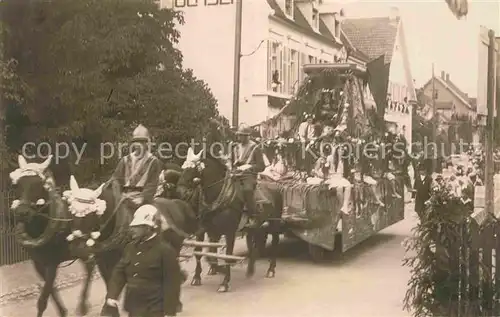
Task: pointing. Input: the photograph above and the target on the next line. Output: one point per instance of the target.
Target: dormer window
(315, 19)
(289, 8)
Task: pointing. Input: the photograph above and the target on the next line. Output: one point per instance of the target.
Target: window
(275, 77)
(315, 19)
(303, 61)
(396, 93)
(436, 94)
(293, 72)
(289, 7)
(313, 60)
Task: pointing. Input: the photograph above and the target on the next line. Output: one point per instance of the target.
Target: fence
(10, 250)
(473, 271)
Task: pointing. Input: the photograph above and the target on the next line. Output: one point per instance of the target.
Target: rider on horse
(139, 171)
(248, 162)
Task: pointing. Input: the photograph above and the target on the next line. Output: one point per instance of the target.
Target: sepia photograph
(248, 158)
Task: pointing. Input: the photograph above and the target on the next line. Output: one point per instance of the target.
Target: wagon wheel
(261, 248)
(318, 254)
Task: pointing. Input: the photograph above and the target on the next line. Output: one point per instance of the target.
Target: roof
(372, 36)
(300, 22)
(444, 83)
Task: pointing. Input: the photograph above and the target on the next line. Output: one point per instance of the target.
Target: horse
(209, 187)
(42, 224)
(100, 226)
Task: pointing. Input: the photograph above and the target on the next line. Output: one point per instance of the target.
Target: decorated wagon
(338, 168)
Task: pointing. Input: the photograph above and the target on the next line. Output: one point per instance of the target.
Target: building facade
(449, 98)
(278, 37)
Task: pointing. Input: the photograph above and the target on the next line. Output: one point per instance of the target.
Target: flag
(378, 81)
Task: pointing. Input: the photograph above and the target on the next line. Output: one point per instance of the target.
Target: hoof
(250, 273)
(83, 310)
(196, 282)
(223, 288)
(270, 274)
(213, 271)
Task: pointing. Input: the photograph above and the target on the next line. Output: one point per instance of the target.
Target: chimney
(447, 77)
(394, 14)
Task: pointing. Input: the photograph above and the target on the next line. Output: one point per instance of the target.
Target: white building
(278, 37)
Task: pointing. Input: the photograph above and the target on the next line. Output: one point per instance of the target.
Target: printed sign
(198, 3)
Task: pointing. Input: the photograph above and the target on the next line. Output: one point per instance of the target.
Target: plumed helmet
(146, 215)
(140, 133)
(244, 129)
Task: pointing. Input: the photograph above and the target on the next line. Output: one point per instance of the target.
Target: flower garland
(82, 207)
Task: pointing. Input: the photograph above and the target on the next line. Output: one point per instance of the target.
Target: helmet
(244, 129)
(145, 215)
(140, 134)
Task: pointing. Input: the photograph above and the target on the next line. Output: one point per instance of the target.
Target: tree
(97, 68)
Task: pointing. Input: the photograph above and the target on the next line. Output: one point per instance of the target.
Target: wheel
(318, 254)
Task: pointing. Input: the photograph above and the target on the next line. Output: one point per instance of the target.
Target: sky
(435, 35)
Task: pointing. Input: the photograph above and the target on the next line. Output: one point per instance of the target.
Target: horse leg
(271, 271)
(252, 241)
(230, 240)
(214, 264)
(48, 274)
(83, 306)
(196, 281)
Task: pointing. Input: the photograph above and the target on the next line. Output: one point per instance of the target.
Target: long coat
(423, 188)
(153, 278)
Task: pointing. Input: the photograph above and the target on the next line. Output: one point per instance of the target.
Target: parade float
(364, 194)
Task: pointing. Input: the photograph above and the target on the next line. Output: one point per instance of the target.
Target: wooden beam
(193, 243)
(219, 256)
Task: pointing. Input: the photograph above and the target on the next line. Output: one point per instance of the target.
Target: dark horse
(104, 234)
(42, 226)
(210, 188)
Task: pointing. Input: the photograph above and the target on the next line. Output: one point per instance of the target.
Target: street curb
(33, 290)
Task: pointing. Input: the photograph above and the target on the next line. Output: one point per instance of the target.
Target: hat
(145, 216)
(140, 134)
(244, 129)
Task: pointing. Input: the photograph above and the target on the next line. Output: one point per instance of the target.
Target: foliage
(432, 286)
(97, 68)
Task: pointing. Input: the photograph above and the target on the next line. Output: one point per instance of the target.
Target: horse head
(201, 171)
(33, 181)
(86, 209)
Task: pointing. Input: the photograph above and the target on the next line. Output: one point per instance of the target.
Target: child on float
(329, 169)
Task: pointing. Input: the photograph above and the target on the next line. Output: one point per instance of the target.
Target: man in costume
(248, 162)
(138, 173)
(150, 270)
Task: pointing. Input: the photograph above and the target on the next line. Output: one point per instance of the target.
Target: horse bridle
(48, 185)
